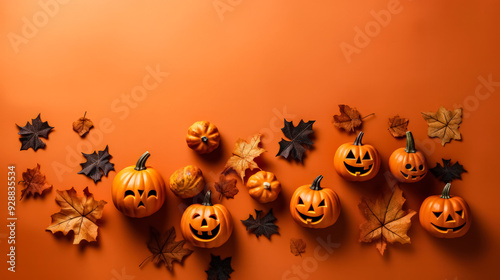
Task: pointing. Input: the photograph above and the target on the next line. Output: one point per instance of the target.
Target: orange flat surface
(244, 65)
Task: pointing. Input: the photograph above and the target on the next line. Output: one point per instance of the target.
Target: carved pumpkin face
(445, 216)
(138, 191)
(357, 162)
(206, 225)
(203, 137)
(315, 207)
(407, 164)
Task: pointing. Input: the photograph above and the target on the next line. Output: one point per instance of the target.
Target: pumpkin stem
(207, 201)
(357, 142)
(410, 143)
(315, 185)
(204, 139)
(141, 163)
(446, 191)
(267, 185)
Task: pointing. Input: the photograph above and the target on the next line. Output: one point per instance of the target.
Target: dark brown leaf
(398, 126)
(297, 246)
(448, 172)
(219, 269)
(34, 182)
(261, 226)
(299, 136)
(349, 118)
(31, 133)
(226, 187)
(97, 165)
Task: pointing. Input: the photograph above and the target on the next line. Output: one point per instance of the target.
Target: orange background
(242, 70)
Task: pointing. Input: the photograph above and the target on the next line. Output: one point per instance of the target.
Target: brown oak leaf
(297, 246)
(78, 214)
(244, 154)
(82, 125)
(349, 118)
(385, 220)
(34, 182)
(398, 126)
(226, 187)
(444, 124)
(165, 249)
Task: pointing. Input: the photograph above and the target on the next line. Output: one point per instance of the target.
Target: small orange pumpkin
(357, 162)
(407, 164)
(445, 216)
(206, 225)
(138, 191)
(187, 182)
(315, 207)
(203, 137)
(263, 187)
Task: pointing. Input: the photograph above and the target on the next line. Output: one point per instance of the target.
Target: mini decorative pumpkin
(315, 207)
(263, 187)
(138, 191)
(357, 162)
(187, 182)
(203, 137)
(407, 164)
(206, 225)
(445, 216)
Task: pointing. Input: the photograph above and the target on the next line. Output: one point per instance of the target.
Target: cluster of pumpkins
(139, 191)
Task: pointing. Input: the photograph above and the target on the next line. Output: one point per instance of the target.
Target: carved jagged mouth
(309, 218)
(205, 234)
(357, 170)
(447, 229)
(412, 176)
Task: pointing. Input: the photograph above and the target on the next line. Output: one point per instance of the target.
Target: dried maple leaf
(297, 246)
(261, 226)
(165, 249)
(448, 172)
(219, 269)
(243, 155)
(82, 125)
(398, 126)
(78, 214)
(386, 221)
(349, 118)
(299, 136)
(226, 187)
(97, 164)
(31, 133)
(444, 124)
(34, 182)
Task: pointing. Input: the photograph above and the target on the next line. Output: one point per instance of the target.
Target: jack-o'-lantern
(357, 162)
(407, 164)
(263, 186)
(445, 216)
(187, 182)
(315, 207)
(206, 225)
(138, 191)
(203, 137)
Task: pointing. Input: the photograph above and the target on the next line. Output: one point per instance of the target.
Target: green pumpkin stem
(410, 143)
(315, 185)
(207, 201)
(357, 142)
(141, 163)
(446, 191)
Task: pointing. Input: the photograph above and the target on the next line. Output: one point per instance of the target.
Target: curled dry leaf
(82, 125)
(398, 126)
(349, 118)
(226, 187)
(385, 220)
(244, 154)
(444, 124)
(297, 246)
(34, 182)
(78, 214)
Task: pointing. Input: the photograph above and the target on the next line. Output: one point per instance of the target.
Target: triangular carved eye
(129, 192)
(367, 156)
(322, 203)
(459, 212)
(350, 155)
(301, 202)
(437, 214)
